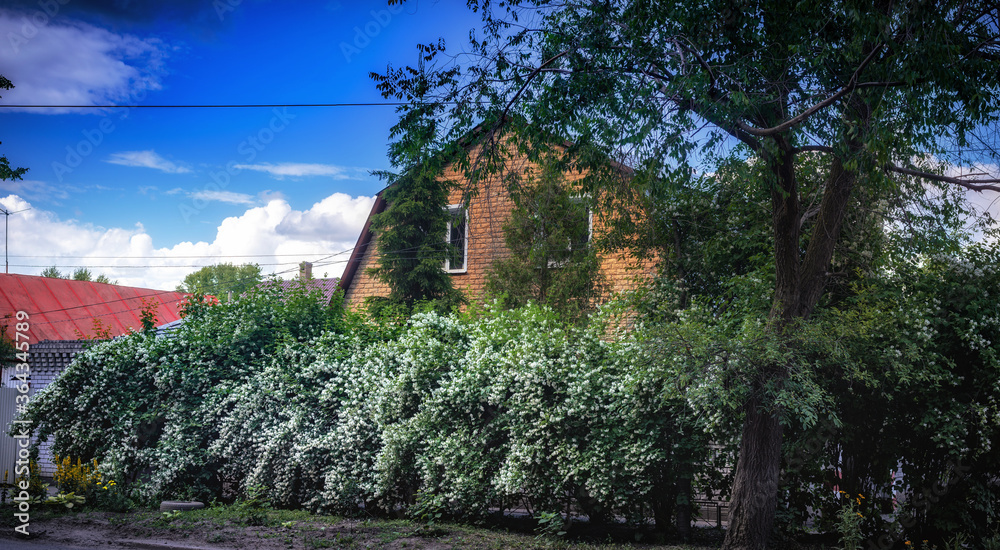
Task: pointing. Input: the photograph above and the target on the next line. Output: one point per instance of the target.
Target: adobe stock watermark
(34, 22)
(223, 7)
(92, 139)
(21, 429)
(363, 35)
(248, 149)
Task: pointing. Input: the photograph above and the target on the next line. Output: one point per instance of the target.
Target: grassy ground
(264, 529)
(301, 529)
(245, 527)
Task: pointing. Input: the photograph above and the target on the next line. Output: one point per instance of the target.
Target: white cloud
(337, 216)
(64, 62)
(275, 236)
(300, 169)
(268, 195)
(146, 159)
(36, 190)
(982, 203)
(223, 196)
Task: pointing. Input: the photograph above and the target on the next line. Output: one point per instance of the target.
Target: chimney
(305, 271)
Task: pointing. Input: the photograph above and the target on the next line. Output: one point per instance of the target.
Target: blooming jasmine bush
(138, 403)
(544, 412)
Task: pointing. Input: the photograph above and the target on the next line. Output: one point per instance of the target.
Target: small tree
(551, 261)
(52, 272)
(8, 351)
(411, 230)
(411, 240)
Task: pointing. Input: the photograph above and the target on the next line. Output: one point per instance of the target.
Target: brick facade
(489, 207)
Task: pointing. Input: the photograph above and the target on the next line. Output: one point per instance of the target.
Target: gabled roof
(467, 142)
(327, 286)
(60, 308)
(364, 241)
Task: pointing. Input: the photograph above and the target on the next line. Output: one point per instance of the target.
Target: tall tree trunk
(683, 512)
(751, 513)
(758, 466)
(799, 282)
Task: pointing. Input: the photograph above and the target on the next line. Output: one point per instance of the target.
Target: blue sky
(168, 189)
(146, 195)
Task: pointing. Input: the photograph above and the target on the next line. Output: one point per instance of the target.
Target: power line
(220, 286)
(164, 257)
(140, 297)
(220, 105)
(140, 266)
(114, 313)
(215, 289)
(326, 255)
(155, 293)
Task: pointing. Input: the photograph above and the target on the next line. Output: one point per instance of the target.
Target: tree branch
(528, 80)
(979, 185)
(815, 149)
(850, 86)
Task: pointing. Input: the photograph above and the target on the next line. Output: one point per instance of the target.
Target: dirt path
(102, 530)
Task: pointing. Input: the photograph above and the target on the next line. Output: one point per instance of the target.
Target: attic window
(458, 236)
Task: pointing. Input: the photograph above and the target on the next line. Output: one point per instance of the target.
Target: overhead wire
(213, 256)
(225, 105)
(229, 285)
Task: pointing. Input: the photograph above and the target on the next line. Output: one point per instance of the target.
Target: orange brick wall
(365, 285)
(489, 208)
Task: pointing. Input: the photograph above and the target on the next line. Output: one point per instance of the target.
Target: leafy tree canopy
(222, 280)
(551, 260)
(890, 94)
(79, 274)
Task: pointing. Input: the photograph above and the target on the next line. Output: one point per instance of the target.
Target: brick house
(480, 238)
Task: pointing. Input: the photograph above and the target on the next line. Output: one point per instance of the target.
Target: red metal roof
(62, 309)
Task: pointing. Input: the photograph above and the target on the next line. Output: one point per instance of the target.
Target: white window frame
(452, 209)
